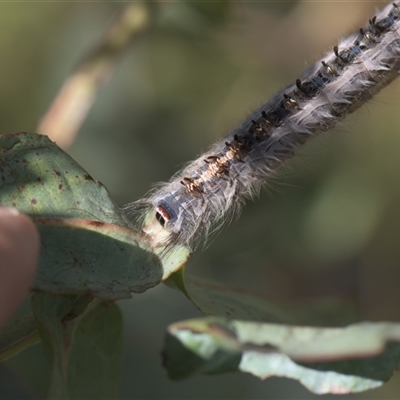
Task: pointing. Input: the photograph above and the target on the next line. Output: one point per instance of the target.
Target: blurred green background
(326, 228)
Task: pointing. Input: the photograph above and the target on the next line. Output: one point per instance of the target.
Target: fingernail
(8, 211)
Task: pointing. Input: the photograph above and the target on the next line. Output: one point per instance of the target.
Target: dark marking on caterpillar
(192, 186)
(218, 166)
(209, 190)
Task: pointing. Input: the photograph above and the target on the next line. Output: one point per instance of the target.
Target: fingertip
(19, 253)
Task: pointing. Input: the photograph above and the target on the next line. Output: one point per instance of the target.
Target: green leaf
(214, 298)
(57, 337)
(88, 246)
(82, 339)
(198, 350)
(94, 367)
(81, 256)
(219, 300)
(39, 179)
(325, 360)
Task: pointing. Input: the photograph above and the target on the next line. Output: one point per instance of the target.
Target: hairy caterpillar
(201, 197)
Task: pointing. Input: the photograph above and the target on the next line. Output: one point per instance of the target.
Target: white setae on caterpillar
(198, 199)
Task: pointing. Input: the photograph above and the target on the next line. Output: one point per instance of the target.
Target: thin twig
(66, 114)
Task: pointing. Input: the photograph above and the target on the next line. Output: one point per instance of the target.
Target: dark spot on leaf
(39, 179)
(78, 202)
(87, 177)
(57, 173)
(33, 201)
(25, 161)
(96, 223)
(60, 186)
